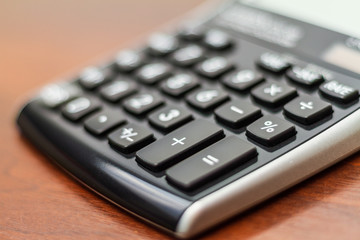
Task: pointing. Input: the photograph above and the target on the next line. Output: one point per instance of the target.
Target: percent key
(270, 130)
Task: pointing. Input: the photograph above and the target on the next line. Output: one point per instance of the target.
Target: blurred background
(42, 39)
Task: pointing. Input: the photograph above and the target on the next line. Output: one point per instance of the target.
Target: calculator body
(151, 193)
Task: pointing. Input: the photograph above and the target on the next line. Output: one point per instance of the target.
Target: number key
(169, 118)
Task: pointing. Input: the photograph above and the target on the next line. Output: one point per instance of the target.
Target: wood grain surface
(42, 39)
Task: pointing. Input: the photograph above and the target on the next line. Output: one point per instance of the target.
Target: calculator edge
(293, 167)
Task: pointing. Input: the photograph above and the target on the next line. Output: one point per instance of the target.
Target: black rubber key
(304, 76)
(79, 108)
(188, 55)
(54, 95)
(142, 103)
(270, 130)
(161, 44)
(237, 113)
(92, 77)
(214, 67)
(191, 33)
(179, 144)
(217, 40)
(103, 121)
(307, 109)
(339, 92)
(243, 80)
(179, 84)
(127, 60)
(273, 62)
(207, 99)
(153, 72)
(170, 117)
(130, 138)
(118, 89)
(210, 162)
(273, 93)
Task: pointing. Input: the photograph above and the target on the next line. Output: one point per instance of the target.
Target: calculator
(212, 116)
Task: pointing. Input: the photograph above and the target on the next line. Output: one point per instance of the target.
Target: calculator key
(273, 62)
(161, 44)
(130, 138)
(103, 121)
(339, 92)
(243, 80)
(153, 73)
(118, 89)
(192, 33)
(79, 108)
(54, 95)
(207, 98)
(217, 40)
(209, 163)
(270, 130)
(307, 109)
(237, 113)
(142, 103)
(179, 144)
(93, 77)
(188, 55)
(214, 67)
(179, 84)
(304, 76)
(273, 93)
(170, 117)
(127, 60)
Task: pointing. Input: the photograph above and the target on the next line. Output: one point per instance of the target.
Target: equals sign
(236, 109)
(210, 160)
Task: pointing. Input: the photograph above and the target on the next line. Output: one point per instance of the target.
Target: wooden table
(40, 40)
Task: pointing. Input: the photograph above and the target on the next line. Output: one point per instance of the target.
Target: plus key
(179, 144)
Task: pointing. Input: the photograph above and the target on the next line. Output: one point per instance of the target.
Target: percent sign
(269, 126)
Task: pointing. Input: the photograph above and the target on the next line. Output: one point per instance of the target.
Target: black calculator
(211, 117)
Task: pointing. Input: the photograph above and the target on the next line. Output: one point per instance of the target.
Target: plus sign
(176, 141)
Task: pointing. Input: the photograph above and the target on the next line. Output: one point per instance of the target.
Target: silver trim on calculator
(320, 152)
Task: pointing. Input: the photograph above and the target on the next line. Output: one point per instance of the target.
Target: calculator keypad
(186, 111)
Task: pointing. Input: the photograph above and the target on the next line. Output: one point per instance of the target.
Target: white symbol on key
(214, 64)
(236, 109)
(308, 105)
(173, 113)
(178, 141)
(127, 58)
(273, 90)
(127, 133)
(206, 96)
(117, 87)
(188, 53)
(178, 81)
(141, 101)
(269, 126)
(153, 70)
(273, 60)
(78, 105)
(210, 160)
(305, 74)
(243, 76)
(93, 75)
(102, 119)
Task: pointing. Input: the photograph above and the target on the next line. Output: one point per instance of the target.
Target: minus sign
(235, 109)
